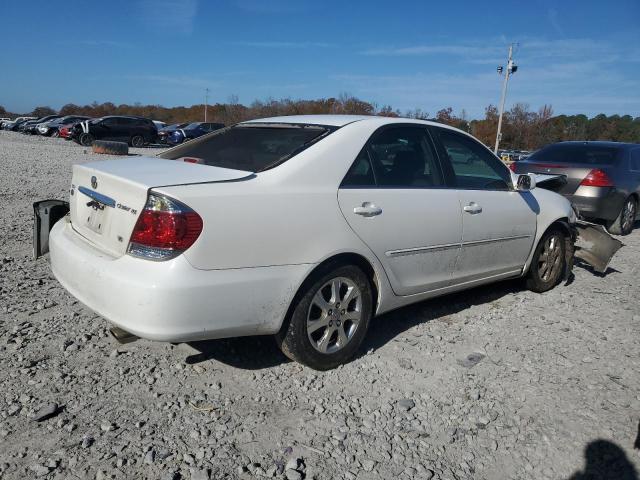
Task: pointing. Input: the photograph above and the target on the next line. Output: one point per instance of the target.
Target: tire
(55, 134)
(317, 305)
(623, 224)
(137, 141)
(85, 139)
(542, 275)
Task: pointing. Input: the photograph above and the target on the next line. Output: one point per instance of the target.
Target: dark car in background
(51, 127)
(136, 131)
(601, 179)
(163, 133)
(193, 130)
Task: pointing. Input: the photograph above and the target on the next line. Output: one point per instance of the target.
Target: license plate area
(95, 219)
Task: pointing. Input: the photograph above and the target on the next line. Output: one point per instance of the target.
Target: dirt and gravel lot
(493, 383)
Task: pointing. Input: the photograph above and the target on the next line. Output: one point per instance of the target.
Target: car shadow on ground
(605, 460)
(385, 328)
(255, 353)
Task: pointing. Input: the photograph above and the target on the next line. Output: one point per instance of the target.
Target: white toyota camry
(302, 227)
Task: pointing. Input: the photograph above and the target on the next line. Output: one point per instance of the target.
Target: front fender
(553, 208)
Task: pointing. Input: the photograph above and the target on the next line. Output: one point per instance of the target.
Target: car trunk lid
(573, 173)
(108, 196)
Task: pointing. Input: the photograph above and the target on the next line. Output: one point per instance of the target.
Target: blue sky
(578, 56)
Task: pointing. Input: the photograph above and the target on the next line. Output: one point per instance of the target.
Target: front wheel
(623, 224)
(548, 263)
(329, 320)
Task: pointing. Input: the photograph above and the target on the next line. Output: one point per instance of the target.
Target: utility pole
(511, 69)
(206, 100)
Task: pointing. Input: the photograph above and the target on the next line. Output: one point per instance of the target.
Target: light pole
(511, 69)
(206, 100)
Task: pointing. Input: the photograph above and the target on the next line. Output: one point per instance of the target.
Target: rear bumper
(172, 301)
(602, 203)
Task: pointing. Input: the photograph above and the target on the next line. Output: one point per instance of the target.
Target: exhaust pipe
(122, 336)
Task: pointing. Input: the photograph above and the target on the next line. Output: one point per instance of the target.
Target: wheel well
(562, 223)
(331, 263)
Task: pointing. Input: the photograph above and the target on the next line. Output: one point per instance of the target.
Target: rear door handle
(473, 208)
(367, 209)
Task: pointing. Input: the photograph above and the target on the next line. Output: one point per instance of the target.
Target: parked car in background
(193, 130)
(13, 126)
(3, 121)
(304, 227)
(31, 127)
(136, 131)
(163, 134)
(159, 125)
(64, 130)
(601, 179)
(51, 127)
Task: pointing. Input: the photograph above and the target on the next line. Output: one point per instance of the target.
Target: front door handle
(473, 208)
(367, 209)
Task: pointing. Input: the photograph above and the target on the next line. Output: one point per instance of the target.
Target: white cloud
(103, 43)
(170, 16)
(285, 44)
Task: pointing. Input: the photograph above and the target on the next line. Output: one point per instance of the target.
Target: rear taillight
(165, 229)
(512, 166)
(596, 178)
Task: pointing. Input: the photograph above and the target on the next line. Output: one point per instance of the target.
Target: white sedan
(302, 227)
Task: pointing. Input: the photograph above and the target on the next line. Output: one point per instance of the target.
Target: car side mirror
(526, 182)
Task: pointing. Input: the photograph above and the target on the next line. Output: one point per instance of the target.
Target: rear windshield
(250, 147)
(588, 154)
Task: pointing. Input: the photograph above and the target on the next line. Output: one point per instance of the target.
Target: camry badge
(94, 182)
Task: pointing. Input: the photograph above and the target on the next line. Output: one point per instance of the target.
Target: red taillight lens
(597, 178)
(512, 166)
(165, 228)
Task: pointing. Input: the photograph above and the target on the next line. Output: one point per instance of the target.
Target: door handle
(473, 208)
(367, 209)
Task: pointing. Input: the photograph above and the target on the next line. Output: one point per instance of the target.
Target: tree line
(522, 128)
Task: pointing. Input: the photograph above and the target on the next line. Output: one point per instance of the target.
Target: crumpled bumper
(595, 245)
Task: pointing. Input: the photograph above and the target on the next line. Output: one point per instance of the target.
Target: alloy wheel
(550, 260)
(334, 315)
(628, 215)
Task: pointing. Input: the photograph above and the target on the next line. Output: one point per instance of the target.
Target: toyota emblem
(94, 182)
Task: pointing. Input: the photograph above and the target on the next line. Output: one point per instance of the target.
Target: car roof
(342, 120)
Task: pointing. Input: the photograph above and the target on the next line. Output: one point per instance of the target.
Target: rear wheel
(137, 141)
(548, 263)
(86, 139)
(623, 224)
(329, 320)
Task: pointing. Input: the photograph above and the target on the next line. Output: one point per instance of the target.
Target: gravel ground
(492, 383)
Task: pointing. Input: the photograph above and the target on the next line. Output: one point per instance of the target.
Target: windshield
(570, 153)
(251, 147)
(192, 126)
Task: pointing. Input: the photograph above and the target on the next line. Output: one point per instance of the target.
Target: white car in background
(303, 227)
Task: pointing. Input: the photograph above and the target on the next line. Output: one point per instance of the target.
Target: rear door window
(403, 157)
(360, 174)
